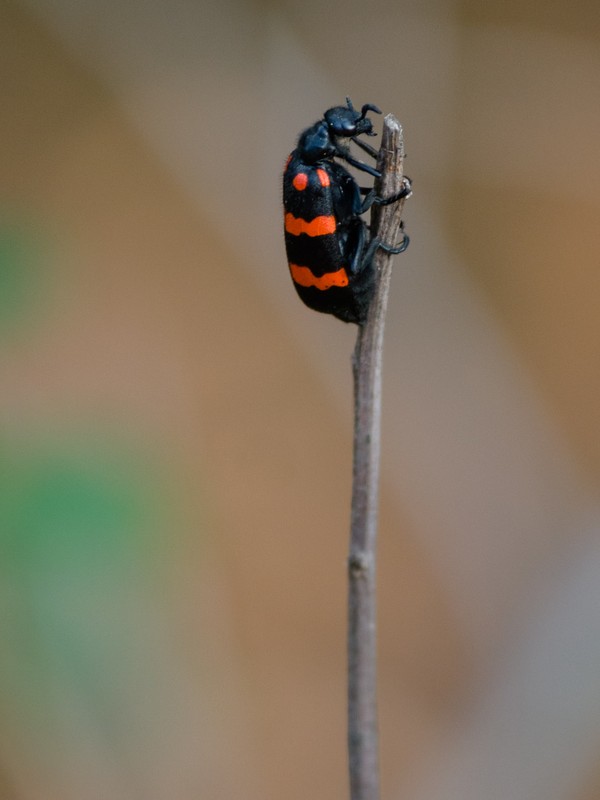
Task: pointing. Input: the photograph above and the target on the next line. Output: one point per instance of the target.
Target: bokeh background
(175, 426)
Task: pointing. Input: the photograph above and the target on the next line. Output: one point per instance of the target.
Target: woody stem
(363, 737)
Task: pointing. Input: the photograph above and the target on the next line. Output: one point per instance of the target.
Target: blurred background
(175, 425)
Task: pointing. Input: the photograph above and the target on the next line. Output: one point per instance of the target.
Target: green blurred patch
(81, 545)
(67, 510)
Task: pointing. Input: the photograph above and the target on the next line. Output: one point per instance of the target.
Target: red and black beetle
(329, 249)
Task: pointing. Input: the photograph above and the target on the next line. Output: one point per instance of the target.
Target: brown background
(175, 427)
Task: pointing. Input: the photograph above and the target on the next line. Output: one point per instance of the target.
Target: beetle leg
(373, 199)
(395, 250)
(354, 162)
(370, 252)
(358, 261)
(366, 147)
(404, 192)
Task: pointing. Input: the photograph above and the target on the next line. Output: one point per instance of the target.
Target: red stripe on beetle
(300, 181)
(319, 226)
(323, 177)
(303, 276)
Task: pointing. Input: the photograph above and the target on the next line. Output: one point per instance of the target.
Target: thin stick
(363, 739)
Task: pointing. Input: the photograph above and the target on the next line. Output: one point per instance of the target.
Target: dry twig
(363, 745)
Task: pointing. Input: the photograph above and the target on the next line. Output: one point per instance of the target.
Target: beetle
(329, 250)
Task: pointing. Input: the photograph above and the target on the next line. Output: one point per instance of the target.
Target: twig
(363, 744)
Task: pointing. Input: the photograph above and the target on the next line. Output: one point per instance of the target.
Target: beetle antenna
(369, 107)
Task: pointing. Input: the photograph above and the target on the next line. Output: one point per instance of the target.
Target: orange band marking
(304, 277)
(323, 177)
(319, 226)
(300, 181)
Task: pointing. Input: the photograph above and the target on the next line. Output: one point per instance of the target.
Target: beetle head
(346, 122)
